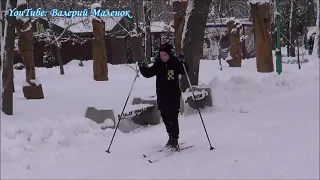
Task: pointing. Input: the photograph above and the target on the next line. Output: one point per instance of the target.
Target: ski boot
(173, 144)
(168, 145)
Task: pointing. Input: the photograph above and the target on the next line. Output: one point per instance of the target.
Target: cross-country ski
(157, 155)
(163, 154)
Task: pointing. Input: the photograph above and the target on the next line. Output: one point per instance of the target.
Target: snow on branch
(259, 1)
(189, 12)
(51, 38)
(69, 25)
(171, 1)
(236, 21)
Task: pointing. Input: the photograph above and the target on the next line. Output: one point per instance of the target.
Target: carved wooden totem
(25, 44)
(99, 53)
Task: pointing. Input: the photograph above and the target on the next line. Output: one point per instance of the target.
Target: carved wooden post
(99, 53)
(24, 30)
(234, 39)
(262, 37)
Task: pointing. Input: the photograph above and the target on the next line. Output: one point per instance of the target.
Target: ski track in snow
(262, 126)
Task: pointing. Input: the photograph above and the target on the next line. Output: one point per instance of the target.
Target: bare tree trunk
(318, 26)
(274, 36)
(311, 15)
(196, 19)
(316, 44)
(147, 19)
(293, 28)
(134, 5)
(7, 76)
(60, 60)
(3, 9)
(56, 44)
(262, 36)
(179, 11)
(13, 89)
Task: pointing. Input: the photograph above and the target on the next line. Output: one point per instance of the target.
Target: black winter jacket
(167, 82)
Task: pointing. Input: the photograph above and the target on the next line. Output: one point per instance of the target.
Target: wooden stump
(33, 92)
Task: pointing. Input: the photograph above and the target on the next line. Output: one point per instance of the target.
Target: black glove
(181, 58)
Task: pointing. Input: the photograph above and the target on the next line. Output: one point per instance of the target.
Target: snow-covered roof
(224, 21)
(171, 1)
(160, 27)
(95, 5)
(216, 31)
(259, 1)
(83, 24)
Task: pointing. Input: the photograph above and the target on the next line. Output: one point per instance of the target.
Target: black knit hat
(166, 47)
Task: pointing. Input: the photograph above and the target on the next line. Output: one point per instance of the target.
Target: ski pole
(186, 73)
(125, 104)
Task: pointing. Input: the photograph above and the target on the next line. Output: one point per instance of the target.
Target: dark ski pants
(170, 119)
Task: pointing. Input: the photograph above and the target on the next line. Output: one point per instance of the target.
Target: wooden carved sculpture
(99, 53)
(234, 39)
(25, 44)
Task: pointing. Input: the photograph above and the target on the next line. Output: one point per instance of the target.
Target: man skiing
(167, 69)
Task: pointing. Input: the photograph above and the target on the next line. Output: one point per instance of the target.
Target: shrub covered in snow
(48, 58)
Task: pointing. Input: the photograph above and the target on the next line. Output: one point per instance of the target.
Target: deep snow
(263, 126)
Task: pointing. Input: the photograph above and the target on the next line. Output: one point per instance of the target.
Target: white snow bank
(53, 138)
(232, 90)
(243, 88)
(61, 147)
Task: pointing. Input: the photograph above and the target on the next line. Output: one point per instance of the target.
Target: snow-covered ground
(263, 126)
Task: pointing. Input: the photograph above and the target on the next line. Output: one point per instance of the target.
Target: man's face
(164, 56)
